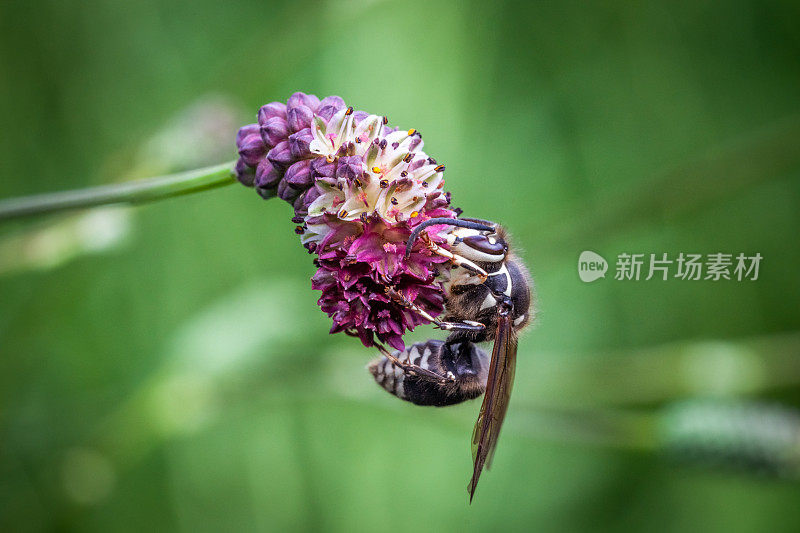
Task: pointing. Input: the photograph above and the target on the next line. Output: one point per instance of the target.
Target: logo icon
(591, 266)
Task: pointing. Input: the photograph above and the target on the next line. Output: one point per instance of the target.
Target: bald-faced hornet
(487, 298)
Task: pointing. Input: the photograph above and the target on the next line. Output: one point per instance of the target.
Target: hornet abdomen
(463, 367)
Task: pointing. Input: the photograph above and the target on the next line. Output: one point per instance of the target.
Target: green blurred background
(166, 367)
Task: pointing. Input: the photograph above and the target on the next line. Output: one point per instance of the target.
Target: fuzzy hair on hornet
(391, 253)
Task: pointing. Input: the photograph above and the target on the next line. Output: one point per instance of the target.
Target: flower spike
(360, 191)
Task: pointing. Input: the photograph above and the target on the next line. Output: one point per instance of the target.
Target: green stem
(134, 192)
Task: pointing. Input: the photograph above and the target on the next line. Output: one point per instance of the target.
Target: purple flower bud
(309, 196)
(299, 175)
(287, 193)
(298, 142)
(244, 131)
(322, 170)
(298, 99)
(267, 176)
(266, 194)
(329, 106)
(298, 205)
(281, 155)
(335, 101)
(244, 173)
(274, 131)
(273, 110)
(252, 149)
(304, 201)
(358, 116)
(350, 168)
(299, 117)
(327, 112)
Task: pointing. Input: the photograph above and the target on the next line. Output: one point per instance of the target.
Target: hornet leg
(466, 325)
(411, 368)
(457, 260)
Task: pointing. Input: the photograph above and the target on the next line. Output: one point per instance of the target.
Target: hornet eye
(483, 243)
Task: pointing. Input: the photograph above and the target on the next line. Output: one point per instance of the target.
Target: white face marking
(492, 240)
(488, 302)
(519, 320)
(464, 232)
(474, 255)
(500, 271)
(503, 271)
(508, 281)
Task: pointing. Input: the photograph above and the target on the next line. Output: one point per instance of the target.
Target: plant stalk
(133, 192)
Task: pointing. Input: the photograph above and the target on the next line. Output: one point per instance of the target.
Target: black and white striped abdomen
(464, 364)
(426, 355)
